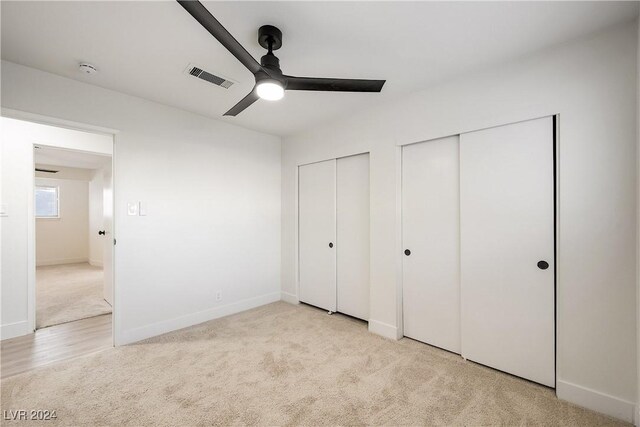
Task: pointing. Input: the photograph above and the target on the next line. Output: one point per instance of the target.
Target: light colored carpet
(68, 292)
(282, 364)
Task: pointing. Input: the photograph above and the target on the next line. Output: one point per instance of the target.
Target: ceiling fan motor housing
(270, 37)
(271, 63)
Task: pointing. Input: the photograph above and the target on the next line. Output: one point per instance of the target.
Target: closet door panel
(430, 229)
(316, 233)
(507, 215)
(352, 247)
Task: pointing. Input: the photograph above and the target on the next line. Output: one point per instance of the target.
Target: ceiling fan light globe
(270, 90)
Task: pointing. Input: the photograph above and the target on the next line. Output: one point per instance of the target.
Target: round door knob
(543, 265)
(407, 252)
(330, 244)
(101, 232)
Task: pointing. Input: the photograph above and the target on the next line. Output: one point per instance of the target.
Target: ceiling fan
(270, 82)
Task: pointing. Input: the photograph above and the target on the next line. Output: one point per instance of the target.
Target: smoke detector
(87, 68)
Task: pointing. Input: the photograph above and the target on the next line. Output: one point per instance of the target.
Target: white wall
(96, 193)
(14, 197)
(591, 84)
(213, 197)
(65, 239)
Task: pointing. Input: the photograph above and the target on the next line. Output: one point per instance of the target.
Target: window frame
(57, 188)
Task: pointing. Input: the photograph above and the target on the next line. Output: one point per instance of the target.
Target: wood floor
(55, 343)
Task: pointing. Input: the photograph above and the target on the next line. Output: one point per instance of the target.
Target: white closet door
(430, 231)
(506, 186)
(352, 247)
(317, 234)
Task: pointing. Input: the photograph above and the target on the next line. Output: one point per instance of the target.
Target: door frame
(31, 224)
(556, 206)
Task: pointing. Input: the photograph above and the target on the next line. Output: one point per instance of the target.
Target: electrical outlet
(218, 296)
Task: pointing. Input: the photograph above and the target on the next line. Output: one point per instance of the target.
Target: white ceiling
(143, 48)
(69, 158)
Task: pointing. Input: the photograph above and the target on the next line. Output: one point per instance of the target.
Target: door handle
(101, 232)
(407, 252)
(543, 265)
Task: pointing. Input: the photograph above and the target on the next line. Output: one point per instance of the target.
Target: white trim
(296, 243)
(31, 246)
(399, 257)
(357, 153)
(60, 261)
(95, 262)
(55, 121)
(489, 125)
(162, 327)
(336, 244)
(595, 400)
(116, 323)
(289, 298)
(383, 329)
(13, 330)
(559, 279)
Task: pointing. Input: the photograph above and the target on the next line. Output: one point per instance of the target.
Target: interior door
(352, 249)
(431, 236)
(507, 248)
(107, 253)
(317, 234)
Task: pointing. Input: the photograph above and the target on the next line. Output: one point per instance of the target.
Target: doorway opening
(72, 204)
(57, 206)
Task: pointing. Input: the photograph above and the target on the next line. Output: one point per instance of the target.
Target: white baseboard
(290, 298)
(595, 400)
(383, 329)
(12, 330)
(95, 263)
(170, 325)
(61, 261)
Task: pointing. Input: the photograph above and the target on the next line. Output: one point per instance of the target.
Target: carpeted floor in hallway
(282, 364)
(69, 292)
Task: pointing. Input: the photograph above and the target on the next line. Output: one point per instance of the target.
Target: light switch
(132, 209)
(142, 208)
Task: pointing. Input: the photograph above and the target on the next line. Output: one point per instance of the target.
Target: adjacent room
(320, 213)
(69, 200)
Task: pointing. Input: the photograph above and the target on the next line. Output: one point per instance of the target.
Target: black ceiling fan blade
(243, 104)
(333, 85)
(211, 24)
